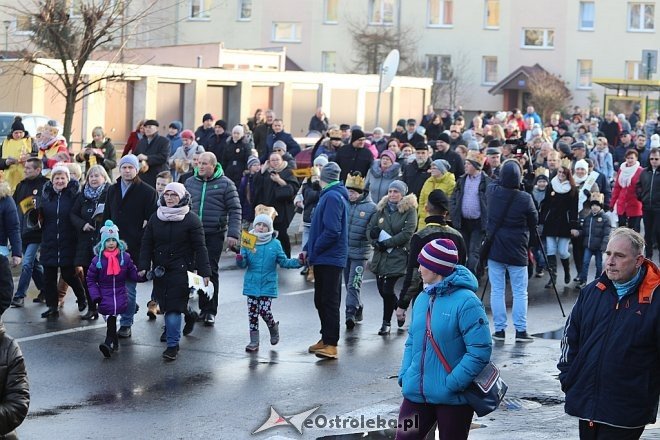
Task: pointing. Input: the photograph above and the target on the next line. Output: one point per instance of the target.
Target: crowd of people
(439, 204)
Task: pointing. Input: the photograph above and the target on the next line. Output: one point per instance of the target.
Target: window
(245, 10)
(587, 16)
(381, 12)
(490, 70)
(286, 32)
(632, 69)
(440, 13)
(492, 17)
(584, 74)
(538, 39)
(641, 17)
(24, 25)
(200, 9)
(439, 67)
(331, 11)
(75, 7)
(328, 61)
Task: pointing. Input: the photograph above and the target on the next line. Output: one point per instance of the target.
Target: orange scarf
(113, 262)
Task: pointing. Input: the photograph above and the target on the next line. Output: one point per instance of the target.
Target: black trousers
(633, 223)
(283, 237)
(386, 289)
(69, 276)
(327, 300)
(214, 245)
(651, 231)
(578, 252)
(599, 431)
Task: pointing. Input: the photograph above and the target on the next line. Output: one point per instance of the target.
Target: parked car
(30, 121)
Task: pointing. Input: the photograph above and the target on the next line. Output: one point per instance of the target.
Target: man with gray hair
(610, 350)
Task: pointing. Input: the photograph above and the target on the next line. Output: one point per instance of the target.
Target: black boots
(552, 270)
(567, 270)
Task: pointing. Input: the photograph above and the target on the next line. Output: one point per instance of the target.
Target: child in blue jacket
(260, 281)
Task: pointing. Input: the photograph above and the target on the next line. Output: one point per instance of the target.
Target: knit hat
(108, 231)
(439, 256)
(476, 159)
(389, 154)
(18, 124)
(176, 124)
(130, 159)
(176, 187)
(253, 160)
(279, 145)
(582, 164)
(439, 200)
(495, 143)
(187, 134)
(330, 172)
(355, 182)
(220, 123)
(474, 145)
(265, 219)
(151, 122)
(401, 123)
(322, 160)
(564, 148)
(61, 169)
(239, 129)
(207, 117)
(400, 186)
(444, 137)
(442, 165)
(357, 134)
(541, 177)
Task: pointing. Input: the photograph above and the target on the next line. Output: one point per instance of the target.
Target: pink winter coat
(626, 199)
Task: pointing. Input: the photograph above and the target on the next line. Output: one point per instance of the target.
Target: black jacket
(279, 197)
(130, 212)
(648, 189)
(81, 213)
(14, 385)
(596, 232)
(260, 137)
(316, 124)
(456, 201)
(311, 194)
(415, 139)
(415, 176)
(157, 151)
(433, 131)
(234, 159)
(455, 161)
(217, 144)
(610, 353)
(352, 159)
(204, 136)
(559, 213)
(27, 191)
(108, 160)
(58, 245)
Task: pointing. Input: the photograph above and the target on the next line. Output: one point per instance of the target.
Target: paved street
(216, 390)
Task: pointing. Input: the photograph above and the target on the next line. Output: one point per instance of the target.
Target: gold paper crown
(476, 157)
(598, 197)
(566, 162)
(355, 182)
(541, 171)
(263, 209)
(334, 134)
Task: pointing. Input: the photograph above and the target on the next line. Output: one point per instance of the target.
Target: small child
(162, 179)
(538, 194)
(106, 279)
(260, 282)
(595, 235)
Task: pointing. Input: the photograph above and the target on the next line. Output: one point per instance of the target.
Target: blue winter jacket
(328, 234)
(261, 275)
(10, 225)
(460, 327)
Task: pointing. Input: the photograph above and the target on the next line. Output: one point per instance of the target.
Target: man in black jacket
(217, 142)
(610, 350)
(152, 150)
(129, 204)
(443, 151)
(353, 156)
(261, 132)
(205, 132)
(648, 188)
(416, 173)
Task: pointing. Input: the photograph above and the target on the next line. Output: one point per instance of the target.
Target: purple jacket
(108, 291)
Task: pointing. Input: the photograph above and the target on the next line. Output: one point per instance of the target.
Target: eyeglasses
(169, 195)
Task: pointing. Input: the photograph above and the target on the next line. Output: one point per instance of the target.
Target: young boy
(595, 235)
(538, 194)
(162, 179)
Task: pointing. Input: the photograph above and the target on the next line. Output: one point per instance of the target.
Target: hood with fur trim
(408, 202)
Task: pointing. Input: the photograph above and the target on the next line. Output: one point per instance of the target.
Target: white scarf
(586, 182)
(560, 187)
(626, 174)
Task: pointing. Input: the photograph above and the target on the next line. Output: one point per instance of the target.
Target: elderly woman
(87, 219)
(52, 146)
(236, 154)
(449, 313)
(182, 158)
(382, 172)
(99, 151)
(173, 245)
(441, 178)
(58, 243)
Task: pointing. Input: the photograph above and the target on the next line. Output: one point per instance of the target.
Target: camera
(157, 272)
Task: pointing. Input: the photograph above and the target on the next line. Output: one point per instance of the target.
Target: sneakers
(327, 352)
(170, 353)
(384, 329)
(540, 273)
(124, 332)
(209, 320)
(523, 337)
(314, 348)
(106, 350)
(18, 302)
(580, 285)
(499, 335)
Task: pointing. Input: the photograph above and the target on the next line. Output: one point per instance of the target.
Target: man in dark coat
(217, 142)
(215, 200)
(648, 189)
(611, 129)
(319, 122)
(353, 156)
(153, 149)
(261, 132)
(417, 172)
(278, 134)
(443, 151)
(129, 204)
(205, 132)
(411, 136)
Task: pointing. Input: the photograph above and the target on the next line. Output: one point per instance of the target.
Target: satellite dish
(388, 71)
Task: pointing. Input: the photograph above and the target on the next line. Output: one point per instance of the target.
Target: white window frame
(484, 70)
(486, 9)
(18, 31)
(581, 26)
(546, 39)
(296, 32)
(437, 78)
(637, 69)
(326, 3)
(382, 4)
(324, 57)
(643, 6)
(578, 82)
(203, 14)
(441, 18)
(240, 10)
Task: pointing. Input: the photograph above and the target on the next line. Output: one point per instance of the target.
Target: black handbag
(487, 241)
(486, 391)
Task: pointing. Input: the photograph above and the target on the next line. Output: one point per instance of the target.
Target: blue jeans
(353, 274)
(127, 318)
(556, 245)
(305, 233)
(587, 260)
(173, 328)
(518, 275)
(538, 255)
(32, 268)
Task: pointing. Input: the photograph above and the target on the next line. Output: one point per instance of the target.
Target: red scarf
(113, 262)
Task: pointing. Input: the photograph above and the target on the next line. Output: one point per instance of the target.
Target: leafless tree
(451, 81)
(548, 93)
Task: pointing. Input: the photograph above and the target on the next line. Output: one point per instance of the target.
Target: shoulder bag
(487, 242)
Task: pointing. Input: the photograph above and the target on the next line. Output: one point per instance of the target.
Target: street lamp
(7, 23)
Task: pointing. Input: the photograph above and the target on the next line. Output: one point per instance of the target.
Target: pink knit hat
(439, 256)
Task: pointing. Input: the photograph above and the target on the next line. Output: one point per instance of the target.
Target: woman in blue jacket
(449, 309)
(260, 282)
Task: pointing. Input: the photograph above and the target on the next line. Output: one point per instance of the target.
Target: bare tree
(72, 35)
(451, 80)
(548, 93)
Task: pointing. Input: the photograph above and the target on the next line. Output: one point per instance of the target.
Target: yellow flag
(248, 241)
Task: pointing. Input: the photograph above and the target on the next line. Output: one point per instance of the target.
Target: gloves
(239, 258)
(375, 233)
(380, 246)
(301, 258)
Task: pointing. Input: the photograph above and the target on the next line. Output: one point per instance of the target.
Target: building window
(75, 7)
(632, 69)
(538, 39)
(440, 13)
(489, 70)
(245, 10)
(439, 67)
(381, 12)
(286, 32)
(641, 17)
(200, 9)
(24, 25)
(585, 72)
(331, 11)
(492, 14)
(328, 61)
(587, 16)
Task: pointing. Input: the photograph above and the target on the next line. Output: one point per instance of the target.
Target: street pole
(380, 86)
(648, 65)
(7, 23)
